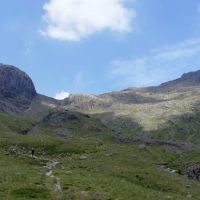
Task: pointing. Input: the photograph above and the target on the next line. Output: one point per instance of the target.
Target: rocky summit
(16, 87)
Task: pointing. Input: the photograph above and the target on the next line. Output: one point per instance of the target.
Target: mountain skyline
(115, 54)
(16, 83)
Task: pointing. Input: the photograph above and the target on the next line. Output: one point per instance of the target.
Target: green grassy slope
(108, 170)
(91, 165)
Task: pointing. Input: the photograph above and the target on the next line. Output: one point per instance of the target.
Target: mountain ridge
(187, 79)
(13, 82)
(18, 94)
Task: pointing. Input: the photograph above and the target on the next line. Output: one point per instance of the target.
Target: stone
(83, 158)
(142, 146)
(188, 186)
(189, 196)
(193, 172)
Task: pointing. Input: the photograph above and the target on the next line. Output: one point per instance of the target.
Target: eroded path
(51, 165)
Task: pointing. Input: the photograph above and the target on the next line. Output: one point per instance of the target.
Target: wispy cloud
(73, 20)
(26, 50)
(79, 79)
(82, 82)
(159, 65)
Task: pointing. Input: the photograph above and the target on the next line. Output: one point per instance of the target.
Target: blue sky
(84, 46)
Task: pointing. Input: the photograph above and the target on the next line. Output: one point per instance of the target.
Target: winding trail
(51, 165)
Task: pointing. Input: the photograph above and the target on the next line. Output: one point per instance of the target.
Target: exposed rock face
(83, 102)
(72, 122)
(128, 96)
(16, 87)
(59, 118)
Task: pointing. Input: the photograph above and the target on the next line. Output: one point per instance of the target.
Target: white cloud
(61, 95)
(158, 66)
(76, 19)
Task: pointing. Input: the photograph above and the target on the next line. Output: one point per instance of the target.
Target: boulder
(193, 172)
(83, 157)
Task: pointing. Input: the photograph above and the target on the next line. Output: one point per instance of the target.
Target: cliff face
(16, 87)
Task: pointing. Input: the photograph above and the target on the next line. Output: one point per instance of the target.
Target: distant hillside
(187, 79)
(141, 113)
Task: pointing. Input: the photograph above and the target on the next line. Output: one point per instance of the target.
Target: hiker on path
(33, 152)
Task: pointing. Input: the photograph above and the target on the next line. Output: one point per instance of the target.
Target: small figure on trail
(33, 152)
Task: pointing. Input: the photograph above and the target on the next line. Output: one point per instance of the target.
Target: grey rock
(24, 131)
(111, 154)
(193, 172)
(189, 196)
(142, 146)
(83, 158)
(188, 117)
(188, 186)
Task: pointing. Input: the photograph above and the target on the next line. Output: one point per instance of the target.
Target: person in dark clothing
(33, 152)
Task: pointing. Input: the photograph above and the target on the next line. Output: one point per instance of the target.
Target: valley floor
(73, 170)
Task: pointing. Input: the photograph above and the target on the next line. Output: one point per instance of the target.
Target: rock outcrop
(16, 87)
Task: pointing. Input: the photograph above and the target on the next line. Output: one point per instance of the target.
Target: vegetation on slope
(89, 169)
